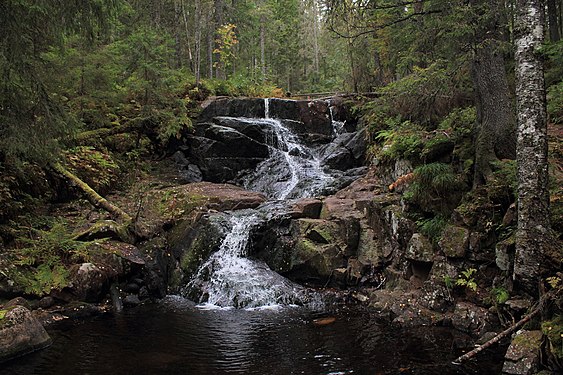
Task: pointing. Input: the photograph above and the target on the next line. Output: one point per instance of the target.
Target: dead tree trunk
(96, 199)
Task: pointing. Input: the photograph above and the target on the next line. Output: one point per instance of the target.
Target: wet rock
(334, 207)
(306, 208)
(314, 115)
(158, 267)
(341, 110)
(222, 152)
(454, 241)
(472, 319)
(21, 333)
(523, 354)
(131, 300)
(337, 157)
(87, 282)
(420, 249)
(260, 131)
(191, 245)
(321, 246)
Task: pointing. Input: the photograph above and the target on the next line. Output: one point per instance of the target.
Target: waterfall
(267, 108)
(337, 126)
(230, 279)
(293, 170)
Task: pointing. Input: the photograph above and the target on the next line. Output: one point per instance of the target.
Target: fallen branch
(93, 197)
(134, 124)
(504, 333)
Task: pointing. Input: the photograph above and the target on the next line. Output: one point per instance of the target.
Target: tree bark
(132, 125)
(552, 17)
(263, 46)
(197, 19)
(495, 128)
(533, 233)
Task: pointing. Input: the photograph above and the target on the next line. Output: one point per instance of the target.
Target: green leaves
(466, 279)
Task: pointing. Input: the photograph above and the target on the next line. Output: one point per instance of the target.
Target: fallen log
(504, 333)
(92, 196)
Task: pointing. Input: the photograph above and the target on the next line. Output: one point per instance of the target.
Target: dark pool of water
(173, 338)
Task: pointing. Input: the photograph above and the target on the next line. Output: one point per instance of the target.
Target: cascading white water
(228, 278)
(232, 280)
(303, 164)
(337, 126)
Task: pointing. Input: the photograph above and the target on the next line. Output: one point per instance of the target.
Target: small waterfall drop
(337, 126)
(304, 175)
(230, 279)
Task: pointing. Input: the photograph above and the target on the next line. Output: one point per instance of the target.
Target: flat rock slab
(223, 197)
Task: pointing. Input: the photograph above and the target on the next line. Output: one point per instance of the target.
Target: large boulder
(222, 152)
(420, 249)
(454, 241)
(20, 333)
(313, 115)
(192, 243)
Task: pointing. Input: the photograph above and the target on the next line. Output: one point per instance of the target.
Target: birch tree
(533, 233)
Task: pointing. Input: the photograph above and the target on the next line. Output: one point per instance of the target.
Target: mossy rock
(553, 329)
(454, 241)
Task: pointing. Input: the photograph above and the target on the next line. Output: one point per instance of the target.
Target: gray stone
(523, 354)
(472, 319)
(504, 254)
(21, 333)
(420, 249)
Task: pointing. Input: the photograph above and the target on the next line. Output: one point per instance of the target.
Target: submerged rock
(20, 333)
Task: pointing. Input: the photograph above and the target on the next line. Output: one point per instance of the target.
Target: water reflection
(176, 338)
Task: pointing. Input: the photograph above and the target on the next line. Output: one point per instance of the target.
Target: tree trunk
(533, 233)
(197, 19)
(96, 199)
(177, 40)
(187, 31)
(263, 46)
(219, 7)
(552, 14)
(495, 132)
(495, 128)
